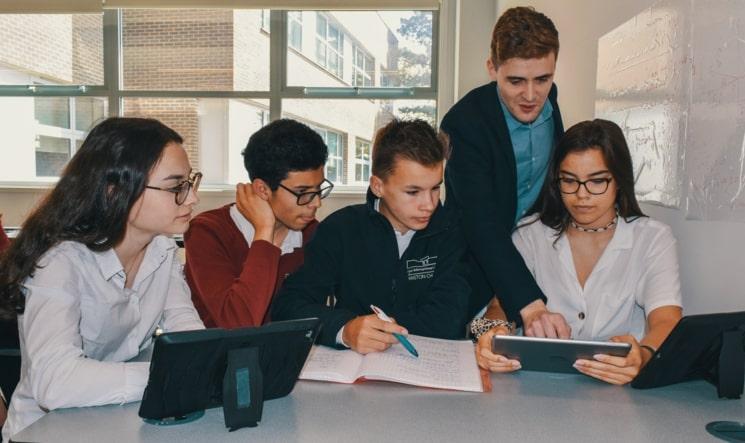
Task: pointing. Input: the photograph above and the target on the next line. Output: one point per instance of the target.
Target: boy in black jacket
(402, 251)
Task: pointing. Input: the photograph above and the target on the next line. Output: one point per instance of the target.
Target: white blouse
(81, 326)
(637, 273)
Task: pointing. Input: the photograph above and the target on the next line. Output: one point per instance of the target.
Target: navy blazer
(481, 182)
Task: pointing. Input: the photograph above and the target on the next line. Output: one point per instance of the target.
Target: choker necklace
(601, 229)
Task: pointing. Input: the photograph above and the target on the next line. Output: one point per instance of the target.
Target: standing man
(502, 136)
(237, 256)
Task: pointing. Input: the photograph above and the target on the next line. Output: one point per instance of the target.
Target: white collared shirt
(293, 240)
(81, 325)
(636, 274)
(402, 240)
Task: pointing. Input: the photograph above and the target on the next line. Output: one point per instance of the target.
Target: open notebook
(442, 364)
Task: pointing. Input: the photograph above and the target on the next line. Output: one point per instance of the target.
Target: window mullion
(277, 62)
(112, 59)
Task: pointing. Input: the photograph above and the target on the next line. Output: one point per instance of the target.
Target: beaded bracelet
(481, 325)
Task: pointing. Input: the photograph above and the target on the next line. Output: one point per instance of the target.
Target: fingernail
(517, 366)
(600, 357)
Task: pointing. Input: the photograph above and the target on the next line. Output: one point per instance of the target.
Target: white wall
(711, 262)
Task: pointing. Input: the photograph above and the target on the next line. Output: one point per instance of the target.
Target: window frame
(112, 87)
(361, 161)
(364, 71)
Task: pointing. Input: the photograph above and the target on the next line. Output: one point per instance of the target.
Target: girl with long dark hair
(609, 270)
(93, 273)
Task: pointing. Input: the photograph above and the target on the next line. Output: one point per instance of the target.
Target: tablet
(189, 369)
(708, 346)
(553, 355)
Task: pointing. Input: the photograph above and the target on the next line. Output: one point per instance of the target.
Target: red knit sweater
(231, 284)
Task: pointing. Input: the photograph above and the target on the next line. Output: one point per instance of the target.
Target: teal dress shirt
(532, 144)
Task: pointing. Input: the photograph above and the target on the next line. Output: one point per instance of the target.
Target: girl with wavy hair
(93, 272)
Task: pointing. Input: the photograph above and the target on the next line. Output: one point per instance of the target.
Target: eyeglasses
(303, 198)
(594, 186)
(181, 190)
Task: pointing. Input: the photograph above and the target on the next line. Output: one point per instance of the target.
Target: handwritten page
(327, 364)
(443, 364)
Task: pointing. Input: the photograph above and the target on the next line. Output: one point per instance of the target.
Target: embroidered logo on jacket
(422, 268)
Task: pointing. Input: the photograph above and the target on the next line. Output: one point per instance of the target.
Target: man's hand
(368, 333)
(490, 361)
(540, 322)
(256, 210)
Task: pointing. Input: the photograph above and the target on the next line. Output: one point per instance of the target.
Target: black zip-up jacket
(481, 183)
(354, 258)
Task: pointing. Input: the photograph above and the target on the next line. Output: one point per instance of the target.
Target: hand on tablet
(539, 322)
(615, 370)
(368, 333)
(490, 361)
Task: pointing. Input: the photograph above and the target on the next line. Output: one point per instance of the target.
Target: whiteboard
(673, 78)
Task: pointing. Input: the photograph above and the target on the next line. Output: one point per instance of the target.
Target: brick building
(194, 50)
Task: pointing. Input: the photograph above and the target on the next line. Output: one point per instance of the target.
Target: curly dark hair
(90, 203)
(524, 33)
(606, 137)
(281, 147)
(414, 140)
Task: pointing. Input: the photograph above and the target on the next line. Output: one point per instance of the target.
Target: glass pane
(320, 53)
(52, 111)
(352, 119)
(194, 49)
(397, 44)
(37, 136)
(266, 20)
(89, 111)
(215, 131)
(320, 26)
(295, 38)
(52, 153)
(51, 49)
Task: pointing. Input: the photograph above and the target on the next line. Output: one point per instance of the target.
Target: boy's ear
(376, 185)
(491, 69)
(262, 189)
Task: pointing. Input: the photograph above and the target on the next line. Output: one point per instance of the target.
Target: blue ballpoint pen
(401, 339)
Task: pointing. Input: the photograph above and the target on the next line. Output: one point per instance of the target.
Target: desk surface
(527, 406)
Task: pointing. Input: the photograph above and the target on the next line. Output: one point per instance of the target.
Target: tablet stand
(729, 382)
(242, 396)
(729, 372)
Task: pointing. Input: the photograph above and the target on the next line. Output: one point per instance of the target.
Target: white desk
(528, 406)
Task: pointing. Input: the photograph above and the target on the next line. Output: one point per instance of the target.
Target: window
(335, 164)
(364, 69)
(362, 161)
(329, 46)
(61, 125)
(265, 20)
(295, 30)
(206, 73)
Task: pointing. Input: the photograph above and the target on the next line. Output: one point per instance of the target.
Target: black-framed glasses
(181, 190)
(303, 198)
(594, 186)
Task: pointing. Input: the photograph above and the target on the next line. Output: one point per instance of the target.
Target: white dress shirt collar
(155, 254)
(292, 241)
(402, 240)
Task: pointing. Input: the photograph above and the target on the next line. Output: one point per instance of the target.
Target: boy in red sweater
(237, 256)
